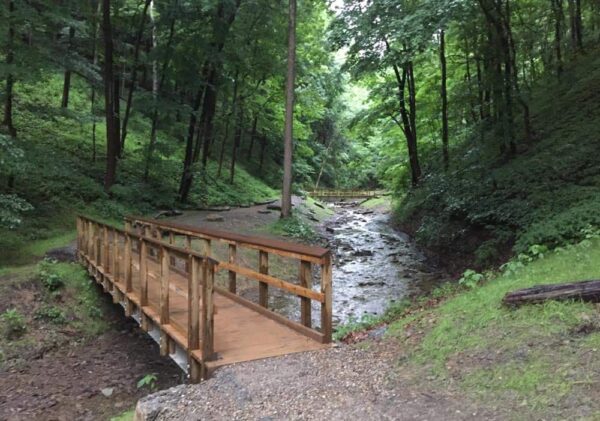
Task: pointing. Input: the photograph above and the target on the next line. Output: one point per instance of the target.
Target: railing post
(89, 249)
(188, 246)
(164, 299)
(305, 302)
(105, 262)
(206, 247)
(326, 307)
(232, 274)
(143, 249)
(114, 256)
(263, 288)
(193, 316)
(208, 277)
(127, 264)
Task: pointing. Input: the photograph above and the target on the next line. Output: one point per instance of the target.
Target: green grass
(125, 416)
(532, 354)
(376, 202)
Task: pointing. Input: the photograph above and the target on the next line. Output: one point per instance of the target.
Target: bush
(13, 322)
(50, 314)
(50, 279)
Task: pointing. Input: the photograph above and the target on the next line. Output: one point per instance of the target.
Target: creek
(374, 265)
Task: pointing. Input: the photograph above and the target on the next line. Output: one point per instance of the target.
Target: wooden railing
(346, 193)
(120, 260)
(313, 261)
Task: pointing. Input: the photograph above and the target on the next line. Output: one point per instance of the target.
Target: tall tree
(7, 121)
(444, 95)
(67, 78)
(286, 192)
(134, 70)
(110, 98)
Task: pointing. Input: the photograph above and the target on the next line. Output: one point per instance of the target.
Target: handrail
(346, 193)
(284, 248)
(102, 256)
(307, 256)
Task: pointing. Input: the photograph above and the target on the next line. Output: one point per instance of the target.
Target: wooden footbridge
(207, 296)
(346, 194)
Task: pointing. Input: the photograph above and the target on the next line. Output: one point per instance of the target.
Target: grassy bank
(533, 362)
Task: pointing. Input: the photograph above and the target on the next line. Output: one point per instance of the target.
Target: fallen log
(583, 290)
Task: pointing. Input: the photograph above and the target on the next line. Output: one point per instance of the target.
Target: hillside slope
(57, 174)
(486, 205)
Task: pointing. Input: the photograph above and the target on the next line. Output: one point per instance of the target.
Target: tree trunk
(286, 193)
(578, 25)
(134, 69)
(231, 115)
(112, 133)
(252, 137)
(117, 112)
(583, 290)
(557, 10)
(95, 62)
(444, 96)
(67, 80)
(188, 161)
(237, 139)
(156, 89)
(10, 58)
(263, 146)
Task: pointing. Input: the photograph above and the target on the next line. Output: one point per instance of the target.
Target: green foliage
(51, 314)
(14, 324)
(51, 280)
(487, 204)
(295, 227)
(148, 381)
(471, 279)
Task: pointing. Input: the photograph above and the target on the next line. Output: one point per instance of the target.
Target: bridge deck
(242, 331)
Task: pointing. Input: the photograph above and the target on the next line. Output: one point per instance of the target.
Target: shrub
(50, 314)
(13, 322)
(50, 279)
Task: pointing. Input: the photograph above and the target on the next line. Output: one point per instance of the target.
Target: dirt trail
(362, 382)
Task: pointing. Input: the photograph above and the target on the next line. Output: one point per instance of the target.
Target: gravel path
(347, 382)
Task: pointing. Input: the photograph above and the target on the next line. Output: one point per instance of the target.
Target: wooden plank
(208, 322)
(311, 333)
(276, 282)
(305, 303)
(194, 304)
(193, 330)
(263, 287)
(232, 274)
(165, 342)
(326, 306)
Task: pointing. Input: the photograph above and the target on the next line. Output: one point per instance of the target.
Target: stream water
(374, 266)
